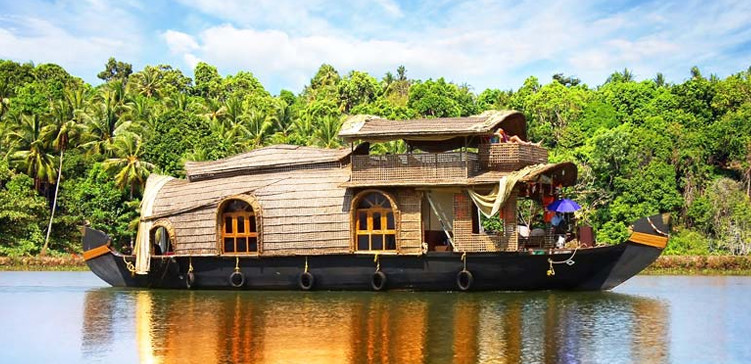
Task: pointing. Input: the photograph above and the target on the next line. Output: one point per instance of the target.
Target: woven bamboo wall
(466, 241)
(510, 156)
(410, 233)
(510, 233)
(303, 211)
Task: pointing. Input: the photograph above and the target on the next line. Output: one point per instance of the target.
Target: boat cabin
(439, 195)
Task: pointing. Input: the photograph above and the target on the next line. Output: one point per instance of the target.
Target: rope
(130, 266)
(378, 262)
(237, 264)
(649, 220)
(570, 261)
(306, 265)
(190, 265)
(464, 260)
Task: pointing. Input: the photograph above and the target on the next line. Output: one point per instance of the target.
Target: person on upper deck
(500, 136)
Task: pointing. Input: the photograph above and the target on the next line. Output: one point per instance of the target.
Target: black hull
(600, 268)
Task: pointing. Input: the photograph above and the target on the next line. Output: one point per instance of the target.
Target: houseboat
(290, 217)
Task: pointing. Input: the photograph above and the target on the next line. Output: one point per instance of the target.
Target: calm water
(61, 317)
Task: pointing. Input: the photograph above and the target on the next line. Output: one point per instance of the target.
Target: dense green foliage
(641, 147)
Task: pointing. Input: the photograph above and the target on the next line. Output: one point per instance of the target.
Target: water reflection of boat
(213, 327)
(289, 217)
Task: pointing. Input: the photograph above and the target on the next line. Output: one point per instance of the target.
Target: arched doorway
(162, 238)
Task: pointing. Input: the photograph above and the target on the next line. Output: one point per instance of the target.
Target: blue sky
(485, 44)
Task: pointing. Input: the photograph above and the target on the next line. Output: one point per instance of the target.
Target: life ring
(306, 280)
(464, 280)
(237, 279)
(378, 281)
(190, 280)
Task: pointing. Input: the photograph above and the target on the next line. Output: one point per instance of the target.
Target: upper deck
(447, 168)
(449, 151)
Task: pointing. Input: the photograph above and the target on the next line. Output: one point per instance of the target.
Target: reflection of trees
(98, 314)
(266, 327)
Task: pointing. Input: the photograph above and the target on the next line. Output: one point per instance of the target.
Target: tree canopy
(642, 146)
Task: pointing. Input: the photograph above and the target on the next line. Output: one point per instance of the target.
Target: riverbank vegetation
(700, 265)
(61, 262)
(642, 147)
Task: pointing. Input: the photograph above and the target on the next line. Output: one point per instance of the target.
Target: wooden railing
(419, 167)
(509, 156)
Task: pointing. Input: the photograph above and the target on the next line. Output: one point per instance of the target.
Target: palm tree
(31, 150)
(302, 129)
(104, 121)
(695, 73)
(141, 113)
(118, 90)
(147, 82)
(214, 109)
(659, 79)
(401, 73)
(234, 133)
(65, 130)
(392, 147)
(179, 101)
(233, 110)
(387, 80)
(326, 134)
(281, 121)
(128, 166)
(259, 128)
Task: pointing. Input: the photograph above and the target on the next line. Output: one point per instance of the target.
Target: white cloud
(483, 43)
(42, 42)
(191, 60)
(179, 42)
(272, 53)
(79, 36)
(391, 7)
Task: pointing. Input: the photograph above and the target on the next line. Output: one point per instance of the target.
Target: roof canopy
(275, 156)
(424, 133)
(564, 174)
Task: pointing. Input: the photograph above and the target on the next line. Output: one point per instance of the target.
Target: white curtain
(142, 250)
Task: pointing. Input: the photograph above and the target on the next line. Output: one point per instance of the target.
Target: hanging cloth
(491, 203)
(142, 250)
(547, 214)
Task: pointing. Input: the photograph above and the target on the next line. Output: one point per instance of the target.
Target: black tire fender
(378, 281)
(464, 280)
(306, 281)
(237, 279)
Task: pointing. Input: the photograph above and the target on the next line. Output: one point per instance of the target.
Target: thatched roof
(375, 129)
(302, 210)
(564, 173)
(272, 157)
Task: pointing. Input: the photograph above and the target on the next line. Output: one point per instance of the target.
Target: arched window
(238, 224)
(375, 227)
